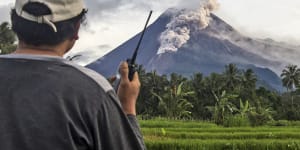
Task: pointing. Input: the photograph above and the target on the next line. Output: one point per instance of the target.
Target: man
(48, 103)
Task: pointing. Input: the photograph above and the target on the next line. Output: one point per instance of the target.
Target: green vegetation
(241, 116)
(231, 98)
(163, 134)
(7, 39)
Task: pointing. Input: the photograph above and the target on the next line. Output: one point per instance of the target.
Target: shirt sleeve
(115, 130)
(135, 125)
(110, 128)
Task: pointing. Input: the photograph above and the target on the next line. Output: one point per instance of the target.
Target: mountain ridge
(208, 50)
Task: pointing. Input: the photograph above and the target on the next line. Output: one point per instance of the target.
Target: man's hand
(128, 91)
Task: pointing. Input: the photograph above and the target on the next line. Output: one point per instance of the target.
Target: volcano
(207, 50)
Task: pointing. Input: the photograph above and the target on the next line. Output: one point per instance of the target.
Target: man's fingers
(135, 77)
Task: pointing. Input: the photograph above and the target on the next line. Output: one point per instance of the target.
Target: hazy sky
(112, 22)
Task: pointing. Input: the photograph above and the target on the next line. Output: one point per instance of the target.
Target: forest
(230, 98)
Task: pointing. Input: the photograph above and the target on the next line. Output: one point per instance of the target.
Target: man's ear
(77, 27)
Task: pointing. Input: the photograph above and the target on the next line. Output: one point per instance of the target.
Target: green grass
(162, 134)
(163, 123)
(251, 144)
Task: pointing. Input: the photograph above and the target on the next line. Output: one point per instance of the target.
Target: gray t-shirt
(48, 103)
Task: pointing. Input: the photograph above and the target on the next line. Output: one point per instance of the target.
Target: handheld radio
(131, 61)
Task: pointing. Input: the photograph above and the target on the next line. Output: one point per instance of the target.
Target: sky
(112, 22)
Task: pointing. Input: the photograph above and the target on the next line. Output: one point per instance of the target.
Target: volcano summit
(188, 41)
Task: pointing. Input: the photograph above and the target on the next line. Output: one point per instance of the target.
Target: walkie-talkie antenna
(133, 58)
(131, 61)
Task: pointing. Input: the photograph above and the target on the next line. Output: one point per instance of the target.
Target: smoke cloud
(180, 27)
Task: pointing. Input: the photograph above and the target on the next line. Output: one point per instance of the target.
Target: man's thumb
(123, 70)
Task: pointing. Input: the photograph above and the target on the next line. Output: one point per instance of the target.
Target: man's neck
(58, 50)
(37, 52)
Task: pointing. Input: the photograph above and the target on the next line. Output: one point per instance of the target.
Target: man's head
(47, 22)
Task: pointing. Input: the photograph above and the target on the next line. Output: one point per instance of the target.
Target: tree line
(230, 97)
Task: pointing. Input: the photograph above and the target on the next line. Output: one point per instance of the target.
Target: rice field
(161, 134)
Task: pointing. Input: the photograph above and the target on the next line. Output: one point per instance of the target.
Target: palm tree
(223, 107)
(150, 82)
(290, 78)
(176, 79)
(215, 82)
(174, 103)
(245, 108)
(249, 79)
(248, 84)
(232, 76)
(200, 98)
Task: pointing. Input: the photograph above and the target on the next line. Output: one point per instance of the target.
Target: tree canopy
(7, 39)
(220, 97)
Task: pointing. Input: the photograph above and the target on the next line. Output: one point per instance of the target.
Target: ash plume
(180, 27)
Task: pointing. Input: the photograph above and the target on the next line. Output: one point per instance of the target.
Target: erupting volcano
(186, 41)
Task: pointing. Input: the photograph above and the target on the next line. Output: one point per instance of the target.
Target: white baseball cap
(61, 10)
